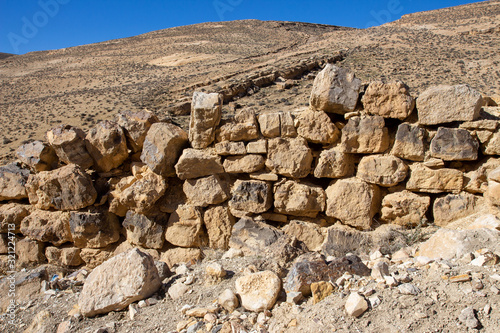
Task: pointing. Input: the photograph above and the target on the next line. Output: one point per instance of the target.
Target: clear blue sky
(33, 25)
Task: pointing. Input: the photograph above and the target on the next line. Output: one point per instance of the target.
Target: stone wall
(362, 155)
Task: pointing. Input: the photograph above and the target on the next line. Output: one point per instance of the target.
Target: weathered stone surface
(270, 124)
(468, 318)
(310, 268)
(308, 233)
(219, 223)
(383, 170)
(172, 198)
(335, 90)
(211, 190)
(66, 256)
(12, 213)
(289, 157)
(365, 135)
(300, 199)
(66, 188)
(118, 282)
(185, 227)
(492, 145)
(181, 255)
(353, 201)
(404, 208)
(26, 286)
(47, 226)
(29, 252)
(107, 144)
(38, 155)
(252, 196)
(493, 192)
(94, 228)
(288, 129)
(206, 112)
(226, 148)
(321, 290)
(228, 300)
(334, 163)
(258, 291)
(13, 179)
(257, 147)
(443, 104)
(454, 144)
(410, 142)
(145, 231)
(162, 147)
(4, 244)
(455, 206)
(355, 305)
(424, 179)
(136, 125)
(253, 236)
(241, 127)
(316, 127)
(195, 163)
(95, 257)
(69, 144)
(389, 100)
(244, 164)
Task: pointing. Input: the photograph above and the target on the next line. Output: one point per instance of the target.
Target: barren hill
(82, 85)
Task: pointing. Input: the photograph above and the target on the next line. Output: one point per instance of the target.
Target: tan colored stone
(225, 148)
(321, 290)
(492, 145)
(29, 252)
(265, 176)
(316, 127)
(365, 135)
(404, 208)
(288, 129)
(136, 125)
(118, 282)
(270, 124)
(107, 144)
(308, 233)
(145, 231)
(163, 146)
(257, 147)
(424, 179)
(13, 180)
(289, 157)
(353, 201)
(66, 188)
(47, 226)
(493, 192)
(211, 190)
(258, 291)
(244, 164)
(454, 144)
(66, 256)
(252, 196)
(383, 170)
(334, 163)
(476, 181)
(38, 155)
(300, 199)
(173, 197)
(228, 300)
(410, 142)
(389, 100)
(241, 127)
(335, 90)
(69, 144)
(443, 104)
(12, 214)
(252, 237)
(185, 227)
(94, 228)
(455, 206)
(219, 223)
(206, 110)
(95, 257)
(195, 163)
(179, 255)
(356, 305)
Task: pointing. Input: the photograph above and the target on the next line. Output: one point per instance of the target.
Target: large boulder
(455, 206)
(253, 196)
(244, 164)
(335, 90)
(211, 190)
(240, 127)
(404, 208)
(258, 291)
(94, 228)
(300, 199)
(196, 163)
(118, 282)
(410, 142)
(425, 179)
(219, 223)
(389, 100)
(13, 180)
(69, 143)
(38, 155)
(383, 170)
(66, 188)
(162, 147)
(454, 144)
(136, 125)
(353, 201)
(206, 110)
(107, 144)
(47, 226)
(145, 230)
(185, 227)
(444, 104)
(12, 214)
(334, 163)
(365, 135)
(316, 127)
(289, 157)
